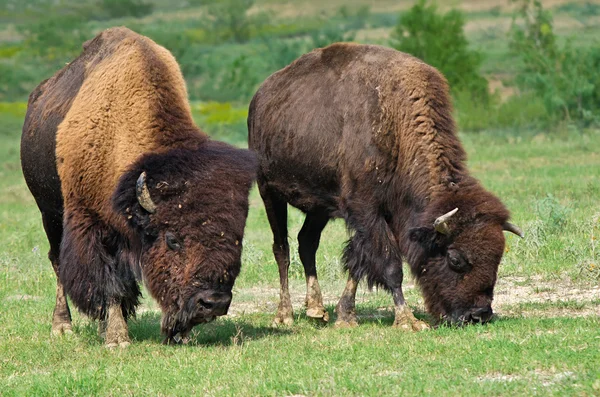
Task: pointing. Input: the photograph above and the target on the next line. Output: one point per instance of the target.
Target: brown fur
(365, 133)
(116, 111)
(132, 102)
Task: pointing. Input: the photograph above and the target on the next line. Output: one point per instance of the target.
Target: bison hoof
(62, 329)
(341, 323)
(346, 319)
(279, 321)
(408, 324)
(318, 313)
(121, 342)
(113, 345)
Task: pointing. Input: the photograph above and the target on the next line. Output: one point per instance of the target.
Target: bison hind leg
(61, 316)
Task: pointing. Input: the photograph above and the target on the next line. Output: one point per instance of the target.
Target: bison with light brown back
(130, 189)
(365, 133)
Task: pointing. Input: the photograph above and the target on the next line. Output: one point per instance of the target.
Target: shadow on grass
(222, 332)
(369, 315)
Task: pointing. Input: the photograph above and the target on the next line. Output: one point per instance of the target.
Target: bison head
(455, 257)
(188, 208)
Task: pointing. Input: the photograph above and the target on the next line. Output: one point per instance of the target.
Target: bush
(229, 20)
(517, 111)
(439, 40)
(564, 76)
(56, 38)
(125, 8)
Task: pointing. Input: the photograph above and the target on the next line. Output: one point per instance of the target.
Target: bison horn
(143, 194)
(509, 227)
(441, 223)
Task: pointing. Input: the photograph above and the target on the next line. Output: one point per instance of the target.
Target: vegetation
(536, 148)
(226, 48)
(439, 40)
(550, 348)
(564, 75)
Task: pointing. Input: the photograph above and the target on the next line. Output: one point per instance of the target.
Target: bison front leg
(404, 318)
(345, 309)
(276, 209)
(117, 332)
(285, 314)
(308, 243)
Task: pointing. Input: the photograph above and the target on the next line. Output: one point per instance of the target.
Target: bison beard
(365, 133)
(96, 266)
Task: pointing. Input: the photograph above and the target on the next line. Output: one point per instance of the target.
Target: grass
(549, 181)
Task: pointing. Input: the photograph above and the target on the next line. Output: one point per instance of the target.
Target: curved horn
(143, 194)
(509, 227)
(441, 223)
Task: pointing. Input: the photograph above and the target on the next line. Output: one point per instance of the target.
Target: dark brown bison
(129, 188)
(365, 133)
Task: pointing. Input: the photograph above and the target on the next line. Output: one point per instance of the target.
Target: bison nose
(217, 303)
(482, 314)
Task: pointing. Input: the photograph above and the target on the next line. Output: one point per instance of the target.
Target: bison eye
(457, 263)
(172, 241)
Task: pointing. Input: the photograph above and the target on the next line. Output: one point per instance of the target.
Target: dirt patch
(513, 297)
(563, 298)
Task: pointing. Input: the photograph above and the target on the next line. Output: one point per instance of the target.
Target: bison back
(349, 116)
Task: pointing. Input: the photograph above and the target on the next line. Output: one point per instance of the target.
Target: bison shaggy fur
(366, 134)
(130, 189)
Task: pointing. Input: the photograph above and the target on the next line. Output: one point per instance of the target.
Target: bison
(365, 133)
(130, 189)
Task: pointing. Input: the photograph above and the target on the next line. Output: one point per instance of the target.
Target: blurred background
(511, 64)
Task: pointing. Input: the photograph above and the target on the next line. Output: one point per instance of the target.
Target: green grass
(547, 352)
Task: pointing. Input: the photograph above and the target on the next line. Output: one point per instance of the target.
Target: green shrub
(439, 40)
(229, 20)
(516, 112)
(125, 8)
(564, 76)
(56, 37)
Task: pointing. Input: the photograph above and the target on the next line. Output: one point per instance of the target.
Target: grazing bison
(129, 188)
(365, 133)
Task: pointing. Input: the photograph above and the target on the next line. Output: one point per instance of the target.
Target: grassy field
(544, 341)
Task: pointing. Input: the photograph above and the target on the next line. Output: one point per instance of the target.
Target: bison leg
(61, 317)
(117, 333)
(345, 309)
(404, 318)
(308, 243)
(276, 209)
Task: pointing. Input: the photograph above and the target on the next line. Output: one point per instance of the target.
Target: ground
(544, 339)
